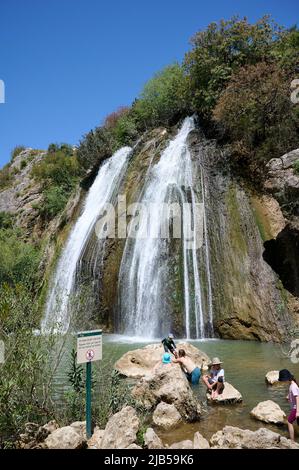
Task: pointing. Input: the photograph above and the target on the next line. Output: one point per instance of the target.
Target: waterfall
(58, 308)
(145, 269)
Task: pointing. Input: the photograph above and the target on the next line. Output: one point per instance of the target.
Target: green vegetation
(59, 173)
(296, 167)
(236, 78)
(16, 151)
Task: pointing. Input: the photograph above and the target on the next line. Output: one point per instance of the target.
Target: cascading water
(58, 309)
(145, 270)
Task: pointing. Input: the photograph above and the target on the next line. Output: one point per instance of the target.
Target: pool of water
(246, 364)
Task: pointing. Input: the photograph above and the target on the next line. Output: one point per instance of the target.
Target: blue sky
(68, 63)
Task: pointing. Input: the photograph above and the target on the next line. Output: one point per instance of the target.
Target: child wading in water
(293, 397)
(215, 381)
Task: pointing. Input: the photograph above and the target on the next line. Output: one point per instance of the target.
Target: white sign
(89, 346)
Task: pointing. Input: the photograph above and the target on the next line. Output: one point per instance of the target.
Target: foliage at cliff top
(59, 171)
(236, 77)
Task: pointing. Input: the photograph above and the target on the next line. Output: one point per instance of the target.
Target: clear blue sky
(68, 63)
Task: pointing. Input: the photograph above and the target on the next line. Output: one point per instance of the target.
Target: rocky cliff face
(21, 199)
(250, 301)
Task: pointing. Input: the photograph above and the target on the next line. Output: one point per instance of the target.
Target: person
(215, 381)
(165, 360)
(169, 345)
(293, 397)
(191, 371)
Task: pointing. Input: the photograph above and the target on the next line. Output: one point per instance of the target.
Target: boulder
(272, 377)
(166, 416)
(168, 384)
(235, 438)
(44, 431)
(80, 428)
(121, 429)
(199, 442)
(134, 446)
(96, 439)
(151, 440)
(187, 444)
(140, 362)
(269, 412)
(65, 438)
(229, 395)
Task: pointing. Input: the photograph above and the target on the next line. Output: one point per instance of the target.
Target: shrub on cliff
(220, 50)
(256, 113)
(16, 151)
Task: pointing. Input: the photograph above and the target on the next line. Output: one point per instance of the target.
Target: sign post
(89, 349)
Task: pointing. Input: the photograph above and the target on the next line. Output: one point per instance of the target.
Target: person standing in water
(293, 397)
(169, 345)
(191, 371)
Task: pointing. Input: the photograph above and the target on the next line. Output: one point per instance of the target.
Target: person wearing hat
(215, 381)
(293, 397)
(169, 345)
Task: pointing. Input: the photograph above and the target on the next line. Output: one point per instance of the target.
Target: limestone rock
(187, 444)
(134, 446)
(80, 428)
(199, 442)
(151, 440)
(235, 438)
(269, 412)
(121, 429)
(230, 395)
(169, 384)
(96, 439)
(140, 362)
(166, 416)
(65, 438)
(272, 377)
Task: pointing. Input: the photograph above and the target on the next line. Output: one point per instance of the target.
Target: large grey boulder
(140, 362)
(166, 416)
(151, 440)
(168, 384)
(65, 438)
(121, 429)
(235, 438)
(269, 412)
(229, 395)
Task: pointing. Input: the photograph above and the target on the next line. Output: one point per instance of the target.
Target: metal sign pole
(88, 400)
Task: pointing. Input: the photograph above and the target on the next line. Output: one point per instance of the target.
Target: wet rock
(151, 440)
(269, 412)
(199, 442)
(272, 377)
(167, 383)
(187, 444)
(229, 395)
(235, 438)
(121, 429)
(140, 362)
(65, 438)
(166, 416)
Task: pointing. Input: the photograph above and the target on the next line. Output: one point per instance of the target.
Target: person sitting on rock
(215, 381)
(165, 360)
(191, 371)
(169, 345)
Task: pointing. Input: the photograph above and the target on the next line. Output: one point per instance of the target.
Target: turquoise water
(246, 364)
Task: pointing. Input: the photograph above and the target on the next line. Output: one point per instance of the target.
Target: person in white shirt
(215, 380)
(293, 398)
